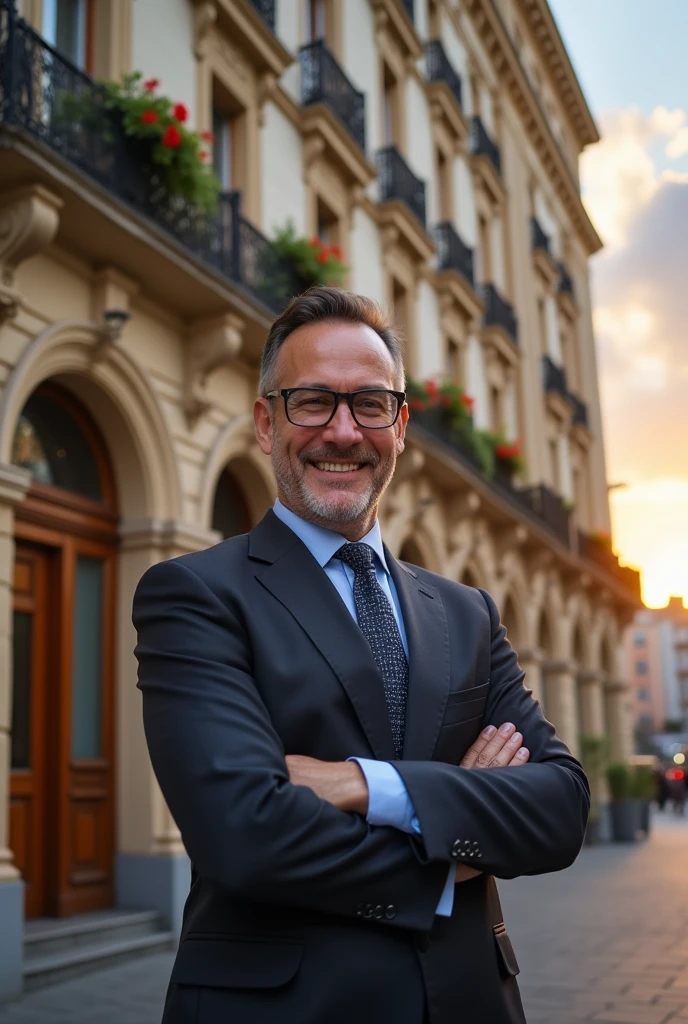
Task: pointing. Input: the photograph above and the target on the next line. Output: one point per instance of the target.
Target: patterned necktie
(379, 626)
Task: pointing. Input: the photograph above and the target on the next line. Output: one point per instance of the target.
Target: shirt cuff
(388, 799)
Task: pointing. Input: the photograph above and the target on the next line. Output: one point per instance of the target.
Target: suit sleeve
(504, 821)
(220, 764)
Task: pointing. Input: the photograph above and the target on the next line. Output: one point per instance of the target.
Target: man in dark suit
(322, 722)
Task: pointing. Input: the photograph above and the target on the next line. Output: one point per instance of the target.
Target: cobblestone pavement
(606, 940)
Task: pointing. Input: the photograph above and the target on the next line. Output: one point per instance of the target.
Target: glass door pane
(87, 658)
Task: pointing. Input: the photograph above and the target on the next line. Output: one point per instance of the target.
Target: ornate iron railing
(550, 509)
(439, 68)
(498, 311)
(539, 240)
(323, 81)
(397, 181)
(40, 90)
(266, 9)
(565, 281)
(601, 554)
(452, 252)
(483, 145)
(554, 377)
(580, 409)
(408, 6)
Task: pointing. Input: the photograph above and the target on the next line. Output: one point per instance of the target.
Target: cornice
(544, 28)
(490, 27)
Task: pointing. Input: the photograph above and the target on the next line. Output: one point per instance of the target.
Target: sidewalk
(606, 940)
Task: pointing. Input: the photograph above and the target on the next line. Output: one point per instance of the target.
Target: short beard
(320, 509)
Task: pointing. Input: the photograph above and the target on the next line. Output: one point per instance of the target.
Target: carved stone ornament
(29, 217)
(204, 17)
(212, 344)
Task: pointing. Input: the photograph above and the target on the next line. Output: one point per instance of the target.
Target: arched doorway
(231, 513)
(62, 726)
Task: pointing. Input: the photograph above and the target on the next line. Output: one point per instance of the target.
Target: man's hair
(328, 305)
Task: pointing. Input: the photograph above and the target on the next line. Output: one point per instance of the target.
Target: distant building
(656, 651)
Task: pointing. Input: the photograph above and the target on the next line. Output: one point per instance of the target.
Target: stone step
(40, 971)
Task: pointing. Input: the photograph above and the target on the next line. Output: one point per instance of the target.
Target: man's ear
(401, 428)
(262, 419)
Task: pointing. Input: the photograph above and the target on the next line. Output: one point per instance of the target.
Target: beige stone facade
(169, 390)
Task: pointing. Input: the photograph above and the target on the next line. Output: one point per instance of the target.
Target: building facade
(656, 650)
(436, 143)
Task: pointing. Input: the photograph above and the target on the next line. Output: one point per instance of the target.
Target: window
(639, 639)
(444, 189)
(496, 410)
(542, 326)
(314, 19)
(484, 250)
(390, 108)
(643, 694)
(641, 668)
(327, 224)
(554, 463)
(229, 149)
(452, 367)
(400, 306)
(66, 26)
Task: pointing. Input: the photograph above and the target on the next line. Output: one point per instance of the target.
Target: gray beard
(321, 509)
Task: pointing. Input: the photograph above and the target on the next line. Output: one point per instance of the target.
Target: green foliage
(176, 153)
(314, 262)
(619, 779)
(643, 785)
(594, 754)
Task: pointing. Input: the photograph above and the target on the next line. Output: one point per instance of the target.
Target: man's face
(332, 475)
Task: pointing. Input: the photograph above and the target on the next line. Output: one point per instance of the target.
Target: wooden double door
(62, 771)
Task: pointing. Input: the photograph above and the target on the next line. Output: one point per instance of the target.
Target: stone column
(152, 868)
(618, 720)
(592, 703)
(560, 701)
(14, 483)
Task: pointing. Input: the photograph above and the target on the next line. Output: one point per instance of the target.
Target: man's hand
(496, 748)
(341, 783)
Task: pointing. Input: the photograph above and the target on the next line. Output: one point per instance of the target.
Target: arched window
(55, 440)
(231, 514)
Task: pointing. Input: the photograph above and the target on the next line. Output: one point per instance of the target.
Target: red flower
(180, 112)
(447, 401)
(149, 117)
(315, 243)
(468, 402)
(151, 85)
(323, 256)
(172, 137)
(431, 390)
(503, 451)
(417, 404)
(336, 251)
(203, 155)
(208, 137)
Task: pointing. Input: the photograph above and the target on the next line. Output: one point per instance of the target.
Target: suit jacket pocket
(468, 693)
(507, 956)
(455, 738)
(235, 962)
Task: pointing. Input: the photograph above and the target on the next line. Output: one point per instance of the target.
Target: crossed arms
(248, 829)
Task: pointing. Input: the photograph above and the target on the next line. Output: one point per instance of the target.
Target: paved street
(605, 941)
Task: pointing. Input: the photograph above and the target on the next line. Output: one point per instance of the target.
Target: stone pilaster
(560, 701)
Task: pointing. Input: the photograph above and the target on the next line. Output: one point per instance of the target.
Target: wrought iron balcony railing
(565, 281)
(408, 6)
(39, 89)
(266, 9)
(600, 552)
(483, 145)
(397, 181)
(539, 240)
(498, 312)
(323, 81)
(554, 377)
(439, 68)
(580, 410)
(550, 509)
(452, 252)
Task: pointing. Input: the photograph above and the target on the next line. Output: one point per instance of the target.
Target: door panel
(28, 778)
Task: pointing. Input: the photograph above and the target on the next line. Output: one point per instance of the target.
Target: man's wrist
(356, 795)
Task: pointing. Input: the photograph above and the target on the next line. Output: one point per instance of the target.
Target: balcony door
(68, 25)
(62, 724)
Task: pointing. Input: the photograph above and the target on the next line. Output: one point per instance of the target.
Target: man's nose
(342, 429)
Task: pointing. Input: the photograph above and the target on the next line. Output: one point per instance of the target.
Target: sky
(629, 56)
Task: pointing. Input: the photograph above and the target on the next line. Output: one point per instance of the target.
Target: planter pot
(645, 816)
(503, 474)
(625, 817)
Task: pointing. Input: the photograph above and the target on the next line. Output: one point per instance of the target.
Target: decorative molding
(204, 17)
(166, 536)
(29, 218)
(212, 344)
(391, 19)
(243, 30)
(14, 484)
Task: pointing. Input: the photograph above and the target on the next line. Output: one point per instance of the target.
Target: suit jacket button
(456, 849)
(360, 910)
(368, 912)
(378, 912)
(390, 912)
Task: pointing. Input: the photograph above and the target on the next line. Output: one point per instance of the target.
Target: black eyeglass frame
(348, 396)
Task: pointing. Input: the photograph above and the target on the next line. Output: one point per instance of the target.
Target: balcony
(550, 510)
(454, 274)
(119, 208)
(440, 70)
(498, 312)
(452, 253)
(542, 253)
(408, 6)
(580, 411)
(444, 93)
(566, 293)
(266, 9)
(323, 81)
(554, 378)
(601, 554)
(397, 181)
(539, 240)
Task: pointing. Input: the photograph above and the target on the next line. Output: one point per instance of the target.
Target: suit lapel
(294, 577)
(427, 633)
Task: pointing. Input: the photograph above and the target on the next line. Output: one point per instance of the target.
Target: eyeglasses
(315, 407)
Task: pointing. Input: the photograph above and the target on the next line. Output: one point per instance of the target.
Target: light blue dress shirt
(388, 800)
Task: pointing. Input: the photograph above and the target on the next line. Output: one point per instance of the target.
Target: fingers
(496, 748)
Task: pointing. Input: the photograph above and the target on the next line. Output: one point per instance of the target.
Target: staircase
(58, 949)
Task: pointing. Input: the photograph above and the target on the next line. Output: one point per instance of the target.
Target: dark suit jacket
(300, 913)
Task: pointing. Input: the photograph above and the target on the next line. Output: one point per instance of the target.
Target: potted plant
(594, 755)
(643, 789)
(624, 808)
(446, 409)
(509, 460)
(293, 263)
